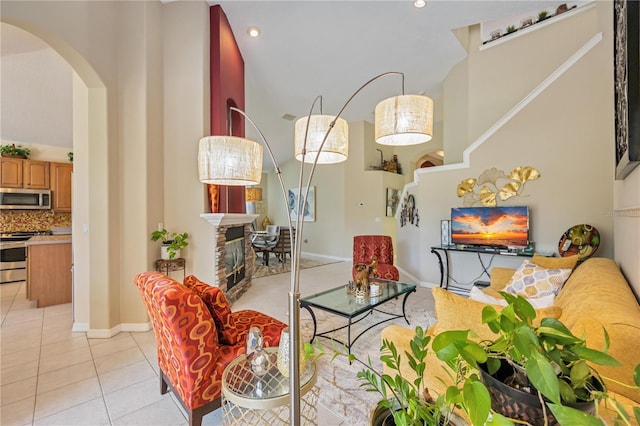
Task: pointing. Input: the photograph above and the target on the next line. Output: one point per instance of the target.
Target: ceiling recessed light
(253, 31)
(419, 3)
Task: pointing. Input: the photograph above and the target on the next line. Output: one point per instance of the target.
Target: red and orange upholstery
(365, 247)
(192, 353)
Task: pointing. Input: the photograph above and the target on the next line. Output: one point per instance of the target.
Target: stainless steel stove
(13, 255)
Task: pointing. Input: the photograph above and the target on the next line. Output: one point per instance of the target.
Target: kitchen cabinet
(35, 174)
(19, 173)
(10, 172)
(61, 186)
(49, 263)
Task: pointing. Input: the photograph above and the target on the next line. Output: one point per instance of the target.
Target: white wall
(121, 128)
(36, 95)
(565, 133)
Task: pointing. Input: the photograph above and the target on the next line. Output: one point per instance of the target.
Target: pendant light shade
(404, 120)
(229, 160)
(336, 147)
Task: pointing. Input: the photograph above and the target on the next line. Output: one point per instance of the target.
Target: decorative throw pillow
(531, 280)
(568, 262)
(455, 312)
(219, 307)
(477, 294)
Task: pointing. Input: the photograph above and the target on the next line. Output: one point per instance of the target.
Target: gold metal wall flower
(485, 189)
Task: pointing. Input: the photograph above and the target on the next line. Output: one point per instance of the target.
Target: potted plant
(14, 151)
(171, 242)
(405, 401)
(510, 29)
(546, 362)
(542, 15)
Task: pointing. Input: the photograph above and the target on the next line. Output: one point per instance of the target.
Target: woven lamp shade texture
(336, 147)
(253, 194)
(229, 160)
(404, 120)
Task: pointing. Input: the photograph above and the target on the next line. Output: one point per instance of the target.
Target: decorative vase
(283, 354)
(517, 404)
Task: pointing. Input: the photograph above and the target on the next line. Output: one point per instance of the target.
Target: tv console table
(444, 283)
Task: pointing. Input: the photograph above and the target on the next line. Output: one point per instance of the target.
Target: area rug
(276, 267)
(340, 389)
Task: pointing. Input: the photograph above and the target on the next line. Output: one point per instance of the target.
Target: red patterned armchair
(197, 337)
(380, 246)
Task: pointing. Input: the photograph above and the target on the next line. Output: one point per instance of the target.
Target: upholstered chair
(197, 337)
(365, 247)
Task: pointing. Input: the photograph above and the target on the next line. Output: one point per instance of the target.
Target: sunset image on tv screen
(490, 226)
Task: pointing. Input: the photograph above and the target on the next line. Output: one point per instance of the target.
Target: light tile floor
(51, 376)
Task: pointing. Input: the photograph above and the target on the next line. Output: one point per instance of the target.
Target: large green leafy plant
(558, 365)
(407, 398)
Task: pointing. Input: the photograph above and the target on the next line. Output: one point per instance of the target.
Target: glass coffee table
(338, 302)
(251, 399)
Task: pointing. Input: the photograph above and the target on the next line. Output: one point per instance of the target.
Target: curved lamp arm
(294, 291)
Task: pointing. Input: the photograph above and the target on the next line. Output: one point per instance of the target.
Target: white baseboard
(80, 327)
(314, 256)
(136, 327)
(107, 333)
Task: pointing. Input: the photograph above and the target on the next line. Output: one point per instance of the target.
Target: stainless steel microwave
(25, 199)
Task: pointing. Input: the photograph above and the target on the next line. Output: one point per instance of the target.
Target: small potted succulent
(14, 151)
(171, 242)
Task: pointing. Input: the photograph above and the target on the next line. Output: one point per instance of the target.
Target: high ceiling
(330, 48)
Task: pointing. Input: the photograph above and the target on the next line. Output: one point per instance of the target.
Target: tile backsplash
(32, 220)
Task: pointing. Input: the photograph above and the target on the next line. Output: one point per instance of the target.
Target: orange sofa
(595, 297)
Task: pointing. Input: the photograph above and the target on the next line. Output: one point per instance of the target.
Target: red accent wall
(227, 88)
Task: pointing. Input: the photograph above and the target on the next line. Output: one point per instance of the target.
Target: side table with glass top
(250, 399)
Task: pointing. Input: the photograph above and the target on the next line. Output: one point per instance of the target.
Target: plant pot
(14, 155)
(517, 404)
(164, 253)
(382, 416)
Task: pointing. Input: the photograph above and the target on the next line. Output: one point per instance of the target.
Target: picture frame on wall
(626, 29)
(393, 199)
(294, 203)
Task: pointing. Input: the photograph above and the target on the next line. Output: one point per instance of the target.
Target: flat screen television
(502, 227)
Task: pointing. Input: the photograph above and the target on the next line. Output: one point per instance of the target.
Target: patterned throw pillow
(531, 280)
(219, 307)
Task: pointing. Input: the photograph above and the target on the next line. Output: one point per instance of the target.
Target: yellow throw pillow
(531, 280)
(568, 262)
(455, 312)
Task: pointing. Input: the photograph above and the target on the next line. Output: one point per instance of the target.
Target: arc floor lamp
(318, 139)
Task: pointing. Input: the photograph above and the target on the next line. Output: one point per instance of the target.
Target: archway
(431, 159)
(90, 142)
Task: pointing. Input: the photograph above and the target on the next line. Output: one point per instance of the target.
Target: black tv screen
(490, 226)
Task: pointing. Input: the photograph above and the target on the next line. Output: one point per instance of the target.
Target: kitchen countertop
(48, 239)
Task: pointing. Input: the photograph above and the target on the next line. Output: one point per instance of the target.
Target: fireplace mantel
(226, 219)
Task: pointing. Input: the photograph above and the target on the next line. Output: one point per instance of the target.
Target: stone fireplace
(234, 259)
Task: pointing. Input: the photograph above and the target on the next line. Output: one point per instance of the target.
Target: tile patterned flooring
(51, 376)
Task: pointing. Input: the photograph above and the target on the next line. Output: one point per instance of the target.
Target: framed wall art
(295, 201)
(626, 29)
(393, 199)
